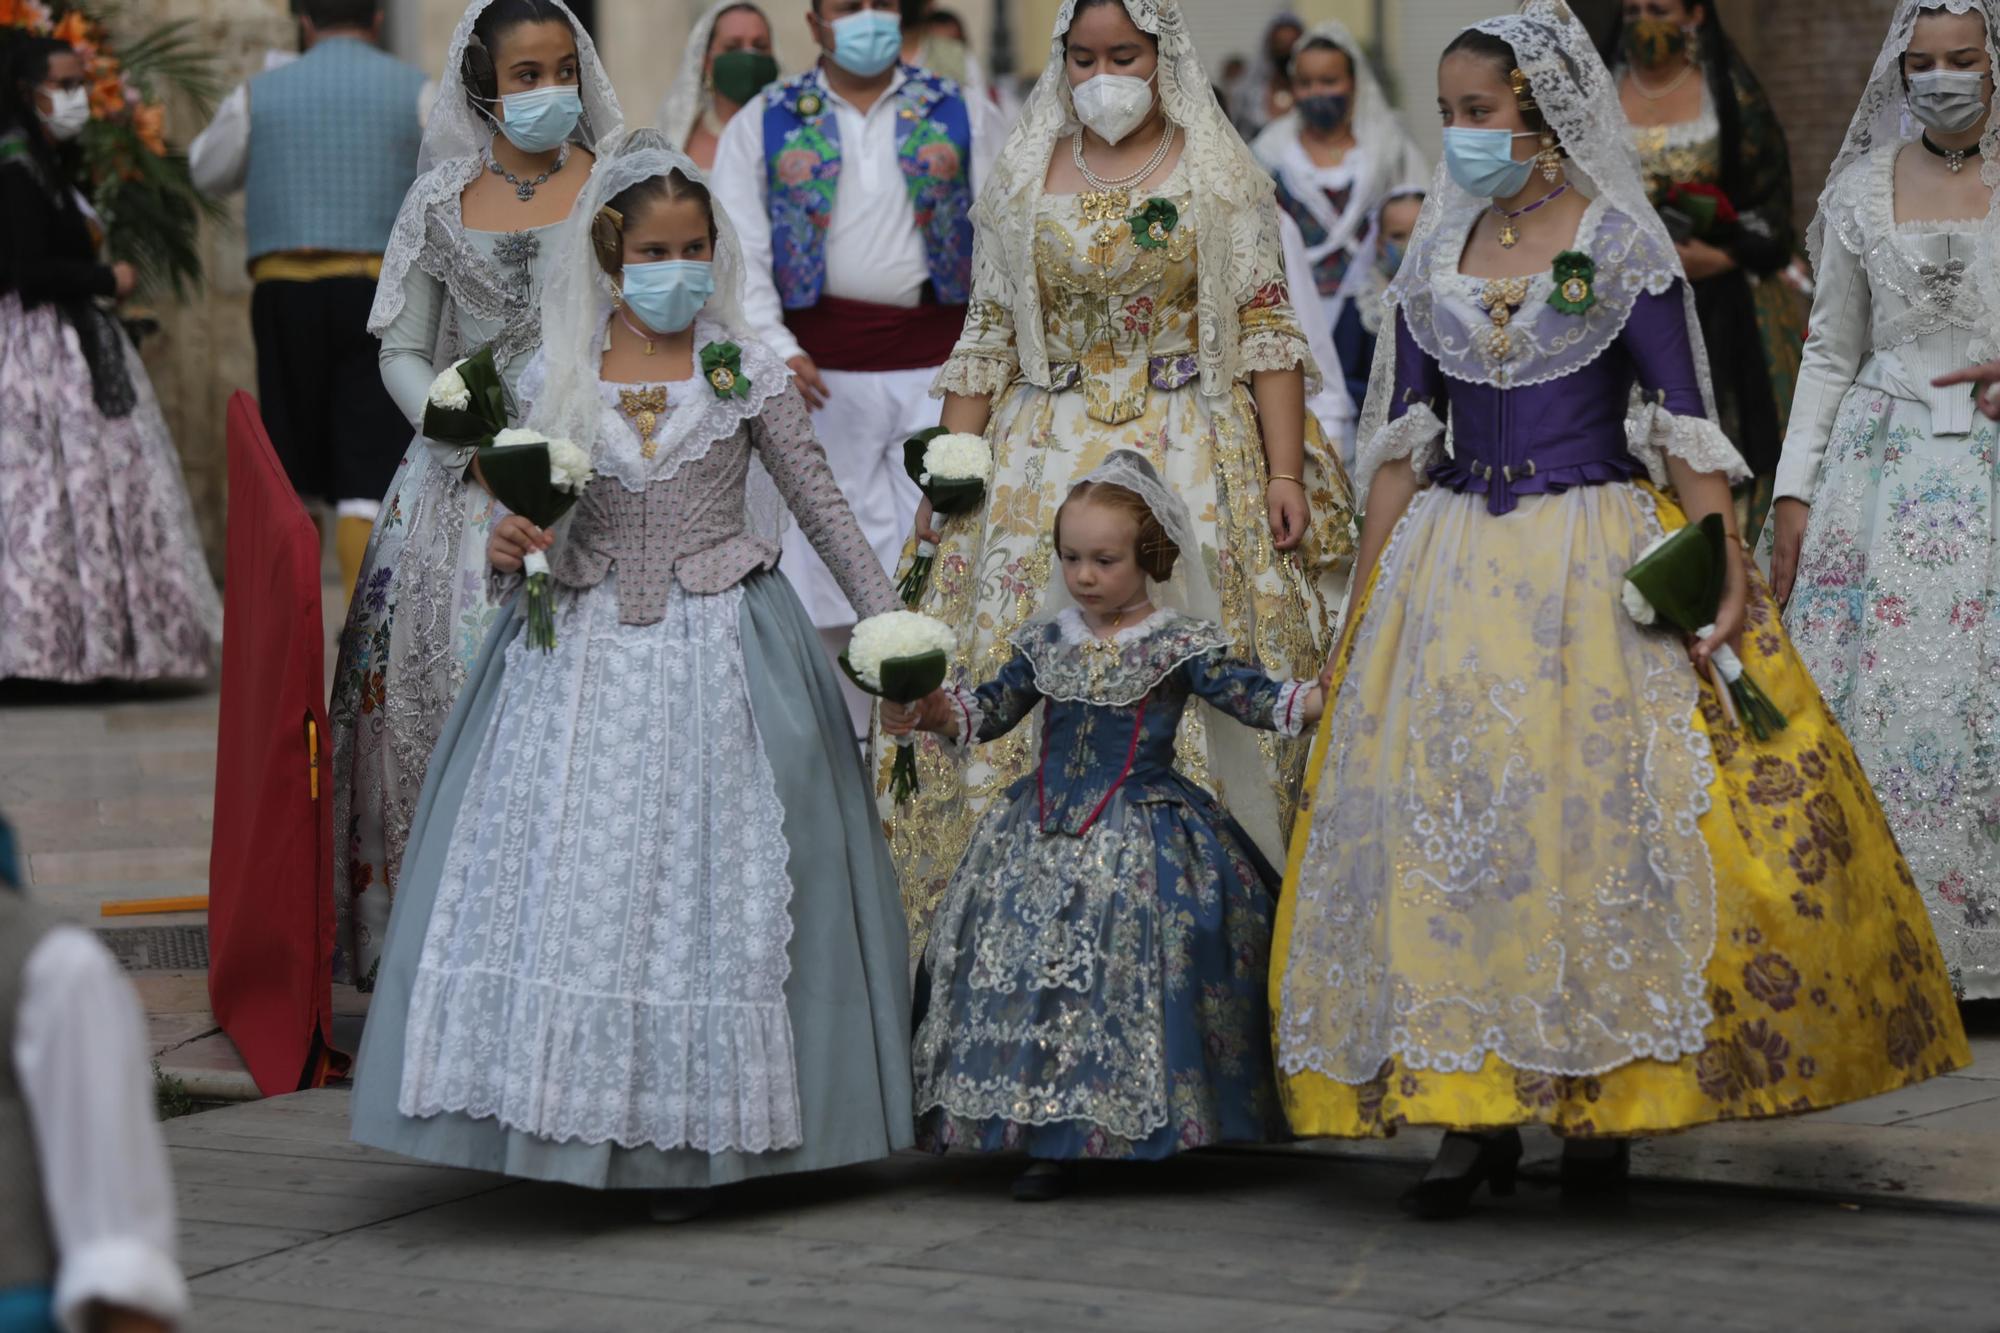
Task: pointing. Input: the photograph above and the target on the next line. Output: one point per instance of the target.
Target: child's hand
(1313, 706)
(899, 719)
(932, 713)
(513, 538)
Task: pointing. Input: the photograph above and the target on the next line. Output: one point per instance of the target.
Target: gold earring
(1550, 159)
(1694, 46)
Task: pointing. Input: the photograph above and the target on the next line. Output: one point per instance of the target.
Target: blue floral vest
(802, 171)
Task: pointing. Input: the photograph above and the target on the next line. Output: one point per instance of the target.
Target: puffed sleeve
(1417, 410)
(1673, 419)
(984, 361)
(1842, 314)
(998, 706)
(1267, 325)
(1247, 694)
(784, 439)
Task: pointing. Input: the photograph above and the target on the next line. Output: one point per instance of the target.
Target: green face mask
(1651, 43)
(741, 75)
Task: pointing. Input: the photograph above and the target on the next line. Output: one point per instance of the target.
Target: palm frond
(172, 54)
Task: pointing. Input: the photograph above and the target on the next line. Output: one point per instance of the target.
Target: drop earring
(1693, 45)
(1550, 159)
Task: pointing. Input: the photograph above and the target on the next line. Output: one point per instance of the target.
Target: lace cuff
(975, 375)
(1279, 348)
(1417, 435)
(965, 706)
(1653, 434)
(1288, 716)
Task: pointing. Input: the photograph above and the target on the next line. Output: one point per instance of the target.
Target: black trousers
(336, 430)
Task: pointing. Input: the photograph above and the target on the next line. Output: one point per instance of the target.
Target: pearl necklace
(1672, 86)
(1099, 185)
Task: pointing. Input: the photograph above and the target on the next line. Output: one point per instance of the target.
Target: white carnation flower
(569, 466)
(515, 435)
(893, 635)
(957, 457)
(449, 390)
(1636, 605)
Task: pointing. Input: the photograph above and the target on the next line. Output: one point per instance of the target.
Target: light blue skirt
(848, 994)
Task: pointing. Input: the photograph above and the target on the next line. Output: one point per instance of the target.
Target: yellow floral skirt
(995, 564)
(1825, 982)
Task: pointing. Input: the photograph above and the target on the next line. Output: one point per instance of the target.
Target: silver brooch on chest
(1941, 281)
(518, 248)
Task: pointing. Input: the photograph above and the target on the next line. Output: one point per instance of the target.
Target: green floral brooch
(1576, 282)
(809, 105)
(722, 367)
(1153, 224)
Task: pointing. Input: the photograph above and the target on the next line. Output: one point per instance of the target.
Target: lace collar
(1505, 332)
(690, 417)
(1072, 665)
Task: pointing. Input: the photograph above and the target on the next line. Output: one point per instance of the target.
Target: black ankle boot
(1437, 1198)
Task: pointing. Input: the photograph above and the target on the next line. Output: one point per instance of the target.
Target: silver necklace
(1100, 185)
(525, 190)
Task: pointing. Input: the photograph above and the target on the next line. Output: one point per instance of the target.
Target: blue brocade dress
(1095, 971)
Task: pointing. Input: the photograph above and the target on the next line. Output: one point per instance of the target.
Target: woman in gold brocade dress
(1129, 292)
(1700, 118)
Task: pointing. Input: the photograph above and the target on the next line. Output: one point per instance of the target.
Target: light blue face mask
(541, 118)
(1482, 162)
(666, 296)
(867, 43)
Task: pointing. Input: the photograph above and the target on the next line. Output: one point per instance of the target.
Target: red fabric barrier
(270, 878)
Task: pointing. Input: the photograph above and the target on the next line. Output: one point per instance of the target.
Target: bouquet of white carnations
(900, 656)
(540, 479)
(1679, 579)
(952, 471)
(467, 403)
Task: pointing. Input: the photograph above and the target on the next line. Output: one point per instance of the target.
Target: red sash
(839, 334)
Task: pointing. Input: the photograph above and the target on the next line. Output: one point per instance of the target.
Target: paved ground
(1880, 1216)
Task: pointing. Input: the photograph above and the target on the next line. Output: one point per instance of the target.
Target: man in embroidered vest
(86, 1206)
(324, 147)
(852, 186)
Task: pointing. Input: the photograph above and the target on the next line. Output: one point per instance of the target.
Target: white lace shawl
(1235, 213)
(454, 148)
(1883, 117)
(1577, 98)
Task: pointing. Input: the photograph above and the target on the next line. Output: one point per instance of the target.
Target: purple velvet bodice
(1545, 438)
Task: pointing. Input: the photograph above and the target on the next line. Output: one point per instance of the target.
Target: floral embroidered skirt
(101, 569)
(995, 563)
(418, 616)
(1568, 935)
(1893, 614)
(1100, 996)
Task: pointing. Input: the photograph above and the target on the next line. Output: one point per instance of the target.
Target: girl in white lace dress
(505, 152)
(649, 934)
(1888, 508)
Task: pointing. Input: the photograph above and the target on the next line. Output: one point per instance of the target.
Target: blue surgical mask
(1389, 258)
(1482, 162)
(541, 118)
(668, 295)
(867, 43)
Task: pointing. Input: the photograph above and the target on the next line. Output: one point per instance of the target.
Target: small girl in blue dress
(1095, 974)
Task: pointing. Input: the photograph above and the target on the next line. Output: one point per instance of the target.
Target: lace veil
(1883, 118)
(454, 142)
(1130, 469)
(688, 97)
(1234, 201)
(1579, 101)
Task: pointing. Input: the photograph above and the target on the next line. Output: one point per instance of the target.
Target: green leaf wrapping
(480, 420)
(518, 476)
(1683, 577)
(904, 679)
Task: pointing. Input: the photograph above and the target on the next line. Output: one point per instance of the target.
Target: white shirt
(874, 251)
(219, 157)
(80, 1055)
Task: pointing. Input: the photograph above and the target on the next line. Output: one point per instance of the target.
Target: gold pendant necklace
(637, 332)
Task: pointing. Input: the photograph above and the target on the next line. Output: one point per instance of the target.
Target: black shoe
(1437, 1198)
(680, 1205)
(1043, 1182)
(1596, 1173)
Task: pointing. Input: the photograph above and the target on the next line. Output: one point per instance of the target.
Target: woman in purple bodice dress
(1543, 879)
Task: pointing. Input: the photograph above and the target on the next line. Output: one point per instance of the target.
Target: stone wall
(203, 352)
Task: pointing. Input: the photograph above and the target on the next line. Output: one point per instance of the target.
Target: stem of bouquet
(540, 605)
(1724, 696)
(911, 586)
(903, 772)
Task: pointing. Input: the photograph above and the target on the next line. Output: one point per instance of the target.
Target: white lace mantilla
(607, 957)
(1075, 666)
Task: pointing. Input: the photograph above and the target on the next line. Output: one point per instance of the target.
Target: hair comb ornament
(1524, 95)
